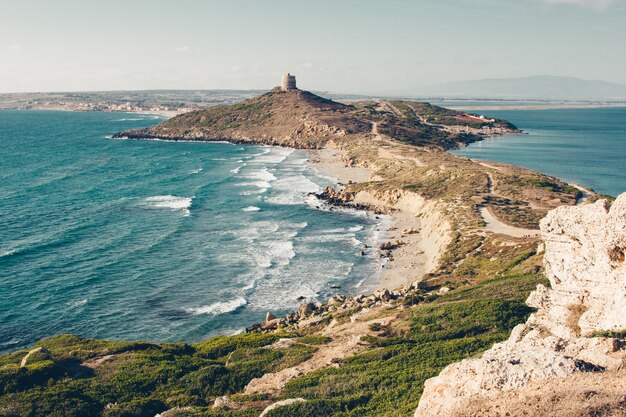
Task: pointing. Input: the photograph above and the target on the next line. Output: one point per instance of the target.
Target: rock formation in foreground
(574, 341)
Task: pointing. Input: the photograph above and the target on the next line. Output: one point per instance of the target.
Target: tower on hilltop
(288, 83)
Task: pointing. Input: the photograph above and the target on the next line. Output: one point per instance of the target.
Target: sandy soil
(420, 243)
(409, 261)
(329, 163)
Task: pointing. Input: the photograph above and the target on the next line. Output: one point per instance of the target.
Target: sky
(349, 46)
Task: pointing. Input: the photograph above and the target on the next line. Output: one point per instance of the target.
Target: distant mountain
(535, 87)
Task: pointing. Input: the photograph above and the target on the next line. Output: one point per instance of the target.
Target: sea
(162, 241)
(585, 146)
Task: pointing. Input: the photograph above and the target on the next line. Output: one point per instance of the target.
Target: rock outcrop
(578, 326)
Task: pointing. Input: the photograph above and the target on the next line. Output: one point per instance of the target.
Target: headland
(464, 255)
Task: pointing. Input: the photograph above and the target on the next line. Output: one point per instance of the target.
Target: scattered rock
(305, 310)
(281, 404)
(39, 351)
(225, 403)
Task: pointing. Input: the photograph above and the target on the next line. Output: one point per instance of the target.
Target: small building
(288, 83)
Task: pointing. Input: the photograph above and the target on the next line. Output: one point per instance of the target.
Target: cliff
(576, 335)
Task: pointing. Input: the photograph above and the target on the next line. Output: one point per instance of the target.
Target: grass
(139, 378)
(142, 379)
(390, 375)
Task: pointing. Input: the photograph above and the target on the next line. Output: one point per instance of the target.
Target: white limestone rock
(584, 261)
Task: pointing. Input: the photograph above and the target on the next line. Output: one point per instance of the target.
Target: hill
(534, 87)
(302, 119)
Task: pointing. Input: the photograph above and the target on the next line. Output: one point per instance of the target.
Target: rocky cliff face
(584, 261)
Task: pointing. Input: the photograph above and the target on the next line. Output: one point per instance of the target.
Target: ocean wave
(262, 174)
(263, 152)
(10, 342)
(8, 253)
(220, 307)
(251, 208)
(259, 184)
(292, 190)
(237, 169)
(274, 155)
(171, 202)
(196, 171)
(277, 253)
(78, 303)
(355, 241)
(333, 237)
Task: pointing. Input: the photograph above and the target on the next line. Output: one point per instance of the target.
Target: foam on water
(219, 307)
(8, 253)
(105, 253)
(171, 202)
(78, 303)
(237, 169)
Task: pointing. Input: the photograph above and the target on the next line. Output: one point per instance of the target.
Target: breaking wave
(171, 202)
(220, 307)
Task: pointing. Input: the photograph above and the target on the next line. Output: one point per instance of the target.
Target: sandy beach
(415, 240)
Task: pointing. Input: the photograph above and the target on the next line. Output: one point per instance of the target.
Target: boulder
(282, 403)
(39, 352)
(305, 310)
(225, 403)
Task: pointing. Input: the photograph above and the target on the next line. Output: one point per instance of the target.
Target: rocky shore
(309, 315)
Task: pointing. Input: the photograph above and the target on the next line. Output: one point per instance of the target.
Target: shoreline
(406, 255)
(532, 106)
(164, 114)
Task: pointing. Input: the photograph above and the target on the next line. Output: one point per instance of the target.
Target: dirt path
(492, 224)
(346, 341)
(486, 165)
(586, 194)
(375, 130)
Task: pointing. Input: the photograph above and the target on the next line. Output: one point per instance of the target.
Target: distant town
(166, 102)
(172, 102)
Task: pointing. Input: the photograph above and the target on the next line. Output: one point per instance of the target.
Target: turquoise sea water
(156, 240)
(585, 146)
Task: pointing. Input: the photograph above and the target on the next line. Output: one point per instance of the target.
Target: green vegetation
(620, 334)
(389, 377)
(84, 377)
(138, 379)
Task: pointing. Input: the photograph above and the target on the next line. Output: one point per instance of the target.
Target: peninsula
(466, 252)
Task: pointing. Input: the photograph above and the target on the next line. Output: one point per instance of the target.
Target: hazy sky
(340, 45)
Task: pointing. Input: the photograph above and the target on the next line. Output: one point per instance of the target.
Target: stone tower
(288, 83)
